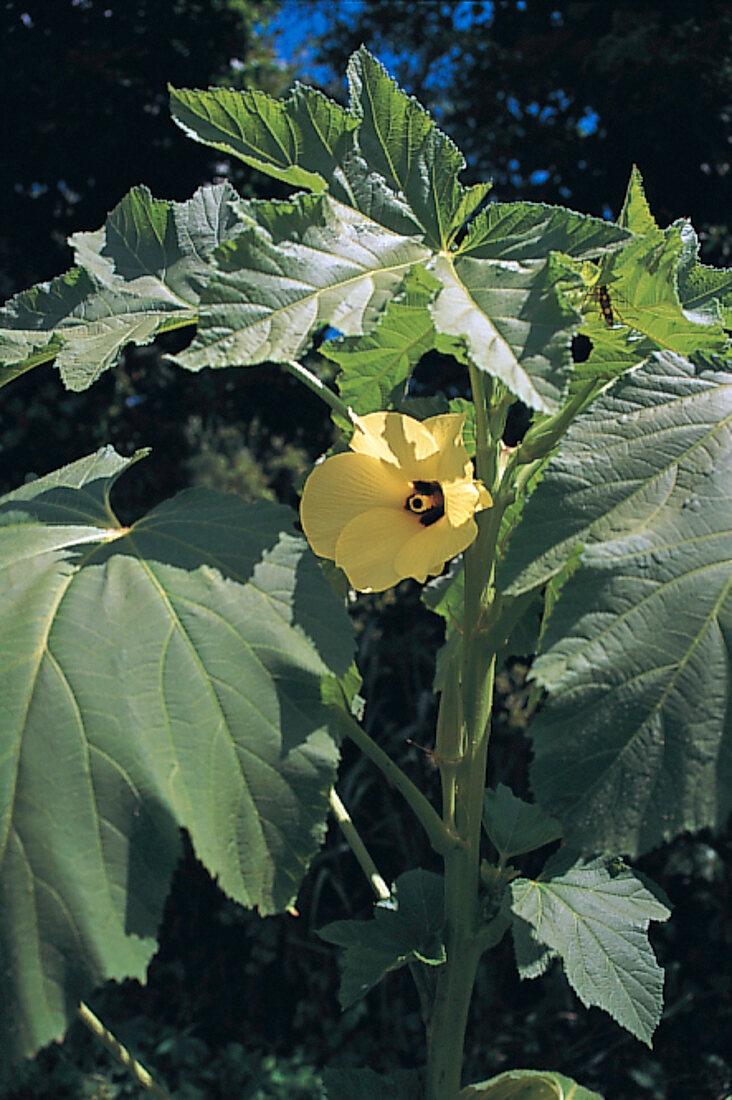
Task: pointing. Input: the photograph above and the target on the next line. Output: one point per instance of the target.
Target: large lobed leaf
(634, 744)
(595, 918)
(660, 298)
(530, 231)
(154, 677)
(297, 266)
(385, 161)
(260, 279)
(383, 156)
(141, 274)
(511, 321)
(400, 141)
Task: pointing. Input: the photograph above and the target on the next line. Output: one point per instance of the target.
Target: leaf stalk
(332, 400)
(136, 1070)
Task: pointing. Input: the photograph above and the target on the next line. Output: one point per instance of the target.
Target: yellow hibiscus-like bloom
(399, 504)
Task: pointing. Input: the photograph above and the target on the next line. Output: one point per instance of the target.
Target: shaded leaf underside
(633, 746)
(597, 922)
(154, 677)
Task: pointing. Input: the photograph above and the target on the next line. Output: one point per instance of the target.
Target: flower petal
(368, 545)
(398, 439)
(446, 430)
(343, 487)
(485, 500)
(427, 551)
(462, 499)
(451, 461)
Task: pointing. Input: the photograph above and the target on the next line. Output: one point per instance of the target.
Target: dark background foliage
(552, 100)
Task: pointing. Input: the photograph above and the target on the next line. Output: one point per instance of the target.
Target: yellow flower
(399, 504)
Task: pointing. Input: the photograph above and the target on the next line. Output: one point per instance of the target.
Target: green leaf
(615, 350)
(636, 213)
(81, 323)
(648, 314)
(309, 263)
(157, 248)
(596, 920)
(633, 746)
(365, 1084)
(658, 298)
(157, 677)
(406, 928)
(400, 141)
(511, 321)
(530, 231)
(705, 292)
(21, 351)
(138, 276)
(310, 142)
(532, 959)
(515, 826)
(643, 286)
(466, 409)
(301, 140)
(374, 369)
(528, 1084)
(646, 300)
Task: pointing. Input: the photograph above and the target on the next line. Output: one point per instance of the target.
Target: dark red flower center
(426, 501)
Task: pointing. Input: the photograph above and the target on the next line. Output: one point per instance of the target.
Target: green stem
(446, 1033)
(543, 437)
(122, 1055)
(449, 741)
(297, 370)
(455, 979)
(441, 839)
(464, 934)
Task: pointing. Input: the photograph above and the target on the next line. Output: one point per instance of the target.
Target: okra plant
(195, 670)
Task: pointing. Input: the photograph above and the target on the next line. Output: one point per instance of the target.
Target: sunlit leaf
(140, 275)
(642, 288)
(511, 321)
(300, 266)
(400, 140)
(636, 212)
(373, 369)
(301, 140)
(159, 248)
(705, 292)
(530, 231)
(22, 350)
(306, 140)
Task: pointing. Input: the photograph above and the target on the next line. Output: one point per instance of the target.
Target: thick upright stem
(446, 1032)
